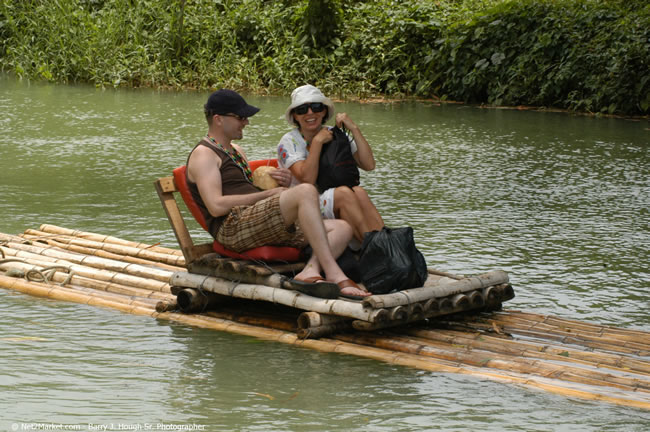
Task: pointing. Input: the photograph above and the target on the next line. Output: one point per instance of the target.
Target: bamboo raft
(571, 358)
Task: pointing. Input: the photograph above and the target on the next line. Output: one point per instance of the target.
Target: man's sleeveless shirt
(233, 182)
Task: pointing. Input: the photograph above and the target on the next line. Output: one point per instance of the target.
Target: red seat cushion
(262, 162)
(181, 183)
(263, 253)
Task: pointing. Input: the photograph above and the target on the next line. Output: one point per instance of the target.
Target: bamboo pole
(596, 338)
(444, 305)
(166, 305)
(47, 276)
(503, 345)
(211, 264)
(66, 294)
(476, 299)
(444, 274)
(271, 322)
(543, 363)
(416, 311)
(637, 336)
(6, 238)
(194, 300)
(497, 361)
(226, 268)
(415, 295)
(90, 272)
(434, 308)
(543, 335)
(315, 319)
(276, 295)
(60, 277)
(73, 247)
(398, 313)
(108, 250)
(460, 301)
(574, 340)
(431, 306)
(148, 272)
(105, 295)
(323, 330)
(53, 229)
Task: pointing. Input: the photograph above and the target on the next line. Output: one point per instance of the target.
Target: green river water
(560, 202)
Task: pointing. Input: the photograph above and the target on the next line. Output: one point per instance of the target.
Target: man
(242, 217)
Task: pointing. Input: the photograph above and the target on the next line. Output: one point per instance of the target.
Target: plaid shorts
(260, 224)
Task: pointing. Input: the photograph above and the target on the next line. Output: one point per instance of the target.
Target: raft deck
(212, 276)
(571, 358)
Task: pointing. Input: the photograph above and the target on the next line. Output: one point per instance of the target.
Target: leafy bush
(586, 55)
(582, 55)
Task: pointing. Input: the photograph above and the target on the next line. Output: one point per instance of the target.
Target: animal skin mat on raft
(571, 358)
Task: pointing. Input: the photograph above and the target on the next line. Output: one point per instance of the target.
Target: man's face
(233, 125)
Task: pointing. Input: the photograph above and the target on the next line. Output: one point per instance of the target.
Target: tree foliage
(586, 55)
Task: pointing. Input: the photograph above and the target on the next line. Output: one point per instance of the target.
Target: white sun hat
(307, 94)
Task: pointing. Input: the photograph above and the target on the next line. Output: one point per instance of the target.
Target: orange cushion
(263, 253)
(181, 183)
(262, 162)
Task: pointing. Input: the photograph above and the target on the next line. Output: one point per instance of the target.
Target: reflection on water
(560, 202)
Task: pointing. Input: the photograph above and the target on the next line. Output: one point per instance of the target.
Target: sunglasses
(236, 116)
(316, 107)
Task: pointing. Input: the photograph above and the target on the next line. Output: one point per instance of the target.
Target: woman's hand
(342, 119)
(363, 156)
(323, 136)
(282, 176)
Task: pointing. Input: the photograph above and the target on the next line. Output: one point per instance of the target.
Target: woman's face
(310, 121)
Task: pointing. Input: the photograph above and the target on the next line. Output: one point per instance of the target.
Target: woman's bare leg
(339, 234)
(372, 217)
(346, 207)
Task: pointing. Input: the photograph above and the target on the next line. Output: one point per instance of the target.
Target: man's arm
(204, 170)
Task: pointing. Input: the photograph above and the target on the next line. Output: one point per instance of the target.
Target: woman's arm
(364, 156)
(306, 171)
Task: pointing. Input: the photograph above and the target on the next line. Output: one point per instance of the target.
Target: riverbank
(589, 56)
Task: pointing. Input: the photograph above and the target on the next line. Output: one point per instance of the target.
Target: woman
(299, 151)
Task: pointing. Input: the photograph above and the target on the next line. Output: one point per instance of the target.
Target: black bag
(336, 166)
(390, 261)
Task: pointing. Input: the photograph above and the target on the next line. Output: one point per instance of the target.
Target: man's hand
(274, 191)
(282, 176)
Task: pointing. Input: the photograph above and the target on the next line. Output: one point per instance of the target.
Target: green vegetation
(584, 55)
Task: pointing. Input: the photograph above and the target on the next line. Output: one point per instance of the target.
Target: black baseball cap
(226, 101)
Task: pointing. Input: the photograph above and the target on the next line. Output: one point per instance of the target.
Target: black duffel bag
(391, 262)
(336, 166)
